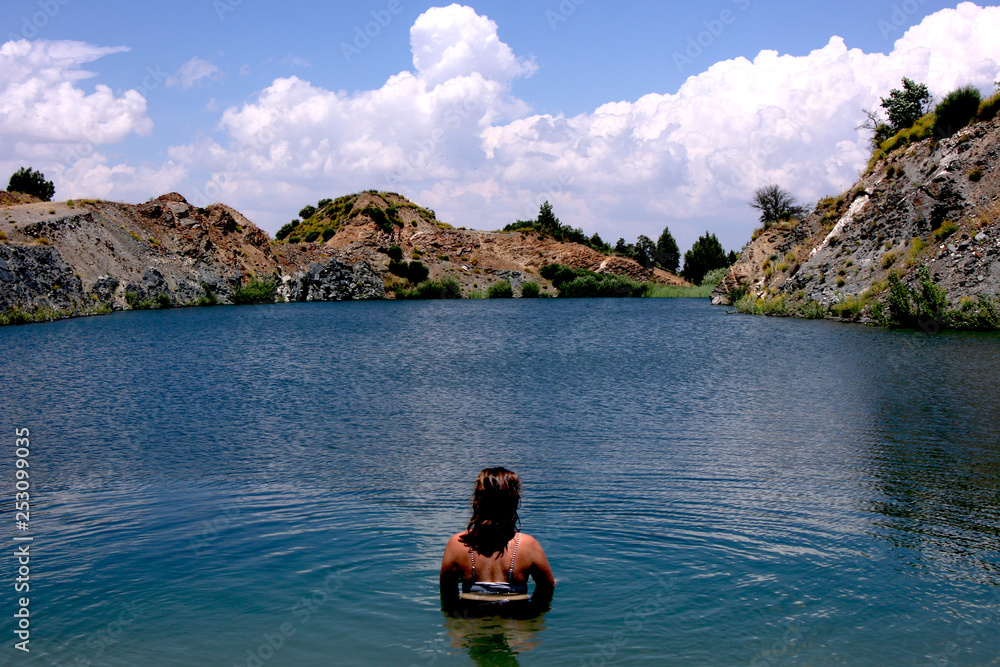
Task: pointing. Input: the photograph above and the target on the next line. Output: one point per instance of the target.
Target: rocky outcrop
(37, 276)
(73, 258)
(334, 281)
(934, 203)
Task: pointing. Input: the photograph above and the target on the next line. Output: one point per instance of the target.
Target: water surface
(276, 484)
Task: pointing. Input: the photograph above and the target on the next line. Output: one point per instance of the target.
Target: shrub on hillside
(989, 107)
(256, 290)
(560, 274)
(530, 290)
(418, 272)
(594, 286)
(447, 288)
(501, 290)
(925, 306)
(31, 182)
(956, 110)
(287, 229)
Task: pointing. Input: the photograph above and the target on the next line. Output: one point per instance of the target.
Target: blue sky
(628, 116)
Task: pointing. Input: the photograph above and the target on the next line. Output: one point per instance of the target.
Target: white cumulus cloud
(41, 99)
(454, 41)
(47, 118)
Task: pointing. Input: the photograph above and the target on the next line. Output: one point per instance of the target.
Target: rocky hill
(364, 226)
(933, 202)
(76, 258)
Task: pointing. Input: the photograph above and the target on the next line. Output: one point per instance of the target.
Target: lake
(274, 485)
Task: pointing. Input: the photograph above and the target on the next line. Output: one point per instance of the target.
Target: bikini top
(504, 588)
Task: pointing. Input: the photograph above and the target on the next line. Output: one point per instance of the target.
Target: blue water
(274, 485)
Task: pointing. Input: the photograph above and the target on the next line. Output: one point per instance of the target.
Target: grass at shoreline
(654, 291)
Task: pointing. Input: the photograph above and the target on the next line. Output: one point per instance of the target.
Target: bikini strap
(472, 555)
(510, 573)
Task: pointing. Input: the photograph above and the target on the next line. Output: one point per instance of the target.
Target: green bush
(849, 308)
(812, 310)
(956, 110)
(989, 107)
(714, 277)
(772, 306)
(307, 212)
(287, 229)
(946, 229)
(328, 233)
(384, 221)
(401, 269)
(447, 288)
(209, 299)
(592, 285)
(560, 274)
(909, 308)
(501, 290)
(417, 272)
(922, 129)
(395, 253)
(311, 236)
(31, 182)
(163, 300)
(257, 290)
(530, 290)
(983, 315)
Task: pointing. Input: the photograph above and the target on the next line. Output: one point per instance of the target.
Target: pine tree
(668, 255)
(705, 255)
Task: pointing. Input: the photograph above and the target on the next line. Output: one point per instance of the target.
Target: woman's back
(492, 560)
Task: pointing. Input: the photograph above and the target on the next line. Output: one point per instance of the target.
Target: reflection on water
(492, 639)
(709, 489)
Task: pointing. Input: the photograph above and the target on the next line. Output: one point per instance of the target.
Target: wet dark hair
(494, 511)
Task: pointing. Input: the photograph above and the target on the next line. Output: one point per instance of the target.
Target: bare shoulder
(536, 562)
(455, 544)
(529, 544)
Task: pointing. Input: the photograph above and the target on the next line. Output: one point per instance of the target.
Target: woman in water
(492, 559)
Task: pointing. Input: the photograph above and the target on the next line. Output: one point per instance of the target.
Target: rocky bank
(935, 202)
(86, 256)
